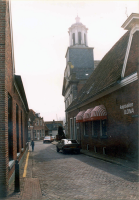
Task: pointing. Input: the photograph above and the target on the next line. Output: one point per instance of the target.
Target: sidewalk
(29, 186)
(126, 163)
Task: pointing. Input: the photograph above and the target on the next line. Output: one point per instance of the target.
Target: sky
(40, 35)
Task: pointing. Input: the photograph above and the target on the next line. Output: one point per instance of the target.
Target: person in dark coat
(32, 144)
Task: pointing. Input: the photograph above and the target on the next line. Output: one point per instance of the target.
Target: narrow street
(77, 176)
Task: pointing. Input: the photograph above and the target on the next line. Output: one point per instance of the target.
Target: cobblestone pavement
(52, 175)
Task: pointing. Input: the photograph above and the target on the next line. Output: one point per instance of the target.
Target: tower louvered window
(73, 38)
(84, 39)
(79, 37)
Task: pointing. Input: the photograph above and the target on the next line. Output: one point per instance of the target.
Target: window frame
(99, 131)
(10, 127)
(103, 126)
(75, 128)
(71, 128)
(86, 125)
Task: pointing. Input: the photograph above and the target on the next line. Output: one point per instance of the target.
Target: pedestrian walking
(32, 144)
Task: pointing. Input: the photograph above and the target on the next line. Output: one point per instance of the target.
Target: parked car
(68, 145)
(47, 139)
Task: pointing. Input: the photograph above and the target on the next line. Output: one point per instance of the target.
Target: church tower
(78, 34)
(79, 62)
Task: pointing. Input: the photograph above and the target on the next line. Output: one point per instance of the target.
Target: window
(40, 122)
(17, 128)
(71, 128)
(73, 38)
(40, 133)
(103, 131)
(43, 133)
(86, 128)
(75, 129)
(79, 37)
(84, 39)
(10, 128)
(95, 128)
(99, 128)
(37, 122)
(29, 134)
(21, 130)
(35, 133)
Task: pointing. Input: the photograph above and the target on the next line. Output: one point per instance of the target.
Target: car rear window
(71, 141)
(47, 137)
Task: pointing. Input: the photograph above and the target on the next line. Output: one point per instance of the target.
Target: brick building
(36, 126)
(13, 105)
(104, 116)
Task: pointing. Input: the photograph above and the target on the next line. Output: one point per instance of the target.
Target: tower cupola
(78, 34)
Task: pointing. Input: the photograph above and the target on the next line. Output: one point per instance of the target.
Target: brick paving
(32, 189)
(52, 175)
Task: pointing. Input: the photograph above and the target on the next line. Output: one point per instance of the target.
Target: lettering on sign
(128, 108)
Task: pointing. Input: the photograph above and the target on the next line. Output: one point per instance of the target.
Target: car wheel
(57, 149)
(78, 151)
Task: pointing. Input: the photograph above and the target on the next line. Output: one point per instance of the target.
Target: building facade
(37, 129)
(13, 105)
(79, 63)
(53, 127)
(104, 116)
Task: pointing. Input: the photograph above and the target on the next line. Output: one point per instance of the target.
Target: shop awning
(79, 117)
(87, 115)
(99, 113)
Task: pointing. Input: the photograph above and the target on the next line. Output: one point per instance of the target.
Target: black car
(68, 145)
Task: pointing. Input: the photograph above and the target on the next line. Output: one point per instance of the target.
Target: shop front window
(103, 128)
(86, 128)
(99, 128)
(95, 128)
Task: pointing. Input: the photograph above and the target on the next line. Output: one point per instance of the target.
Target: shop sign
(128, 108)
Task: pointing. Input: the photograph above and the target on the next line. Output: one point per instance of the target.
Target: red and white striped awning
(79, 117)
(87, 115)
(99, 113)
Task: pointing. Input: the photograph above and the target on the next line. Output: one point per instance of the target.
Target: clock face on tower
(72, 66)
